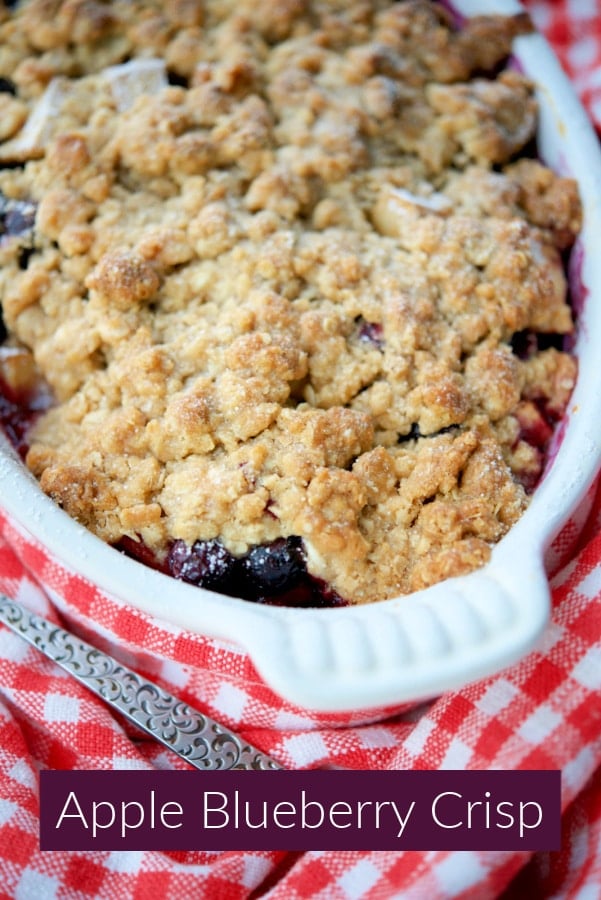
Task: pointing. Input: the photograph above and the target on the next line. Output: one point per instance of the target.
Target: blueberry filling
(526, 344)
(177, 80)
(17, 415)
(535, 426)
(370, 333)
(205, 563)
(415, 433)
(17, 217)
(274, 573)
(7, 86)
(275, 568)
(15, 423)
(24, 257)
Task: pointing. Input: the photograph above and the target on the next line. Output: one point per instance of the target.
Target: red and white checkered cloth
(542, 713)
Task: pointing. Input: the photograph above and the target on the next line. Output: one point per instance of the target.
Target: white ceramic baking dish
(386, 654)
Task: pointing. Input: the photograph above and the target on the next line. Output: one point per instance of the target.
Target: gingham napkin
(542, 713)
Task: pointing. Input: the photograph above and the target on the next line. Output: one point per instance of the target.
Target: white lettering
(280, 810)
(360, 807)
(125, 824)
(68, 815)
(262, 823)
(500, 812)
(215, 809)
(305, 804)
(132, 814)
(402, 821)
(96, 824)
(523, 823)
(435, 809)
(345, 810)
(472, 804)
(178, 811)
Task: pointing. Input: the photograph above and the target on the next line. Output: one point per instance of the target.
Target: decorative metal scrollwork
(197, 738)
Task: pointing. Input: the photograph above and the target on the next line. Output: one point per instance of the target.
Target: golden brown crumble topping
(281, 254)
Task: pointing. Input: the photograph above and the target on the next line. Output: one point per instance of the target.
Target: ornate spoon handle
(197, 738)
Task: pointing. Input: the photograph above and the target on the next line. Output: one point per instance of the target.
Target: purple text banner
(311, 810)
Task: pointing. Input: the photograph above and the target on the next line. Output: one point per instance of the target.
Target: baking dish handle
(416, 646)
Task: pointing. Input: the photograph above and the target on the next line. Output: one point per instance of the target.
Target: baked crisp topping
(288, 278)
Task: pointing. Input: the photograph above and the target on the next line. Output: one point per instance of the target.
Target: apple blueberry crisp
(282, 286)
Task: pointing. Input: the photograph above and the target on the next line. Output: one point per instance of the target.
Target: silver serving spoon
(197, 738)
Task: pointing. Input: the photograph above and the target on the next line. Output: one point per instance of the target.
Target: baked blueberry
(525, 344)
(15, 420)
(275, 568)
(205, 563)
(370, 333)
(16, 217)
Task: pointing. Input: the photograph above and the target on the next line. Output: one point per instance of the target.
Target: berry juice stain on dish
(273, 573)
